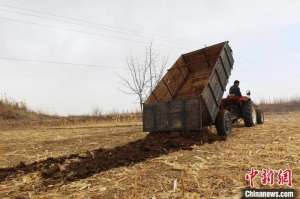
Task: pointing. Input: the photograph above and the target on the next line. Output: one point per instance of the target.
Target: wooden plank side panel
(204, 114)
(161, 117)
(149, 118)
(229, 54)
(151, 99)
(203, 61)
(161, 93)
(213, 52)
(210, 103)
(216, 87)
(176, 106)
(194, 85)
(175, 115)
(178, 115)
(213, 56)
(180, 61)
(226, 63)
(174, 78)
(222, 73)
(184, 69)
(192, 114)
(199, 64)
(176, 122)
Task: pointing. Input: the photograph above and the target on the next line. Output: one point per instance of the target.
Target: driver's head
(237, 82)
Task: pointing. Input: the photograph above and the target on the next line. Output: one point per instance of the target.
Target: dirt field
(105, 161)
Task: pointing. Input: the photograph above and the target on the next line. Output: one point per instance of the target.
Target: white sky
(264, 36)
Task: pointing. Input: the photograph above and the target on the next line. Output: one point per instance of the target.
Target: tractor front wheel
(223, 123)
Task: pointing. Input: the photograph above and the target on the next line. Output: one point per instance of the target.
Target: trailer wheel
(223, 123)
(249, 114)
(260, 117)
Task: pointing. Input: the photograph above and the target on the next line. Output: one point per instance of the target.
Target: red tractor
(234, 108)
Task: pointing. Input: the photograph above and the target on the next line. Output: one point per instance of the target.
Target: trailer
(189, 96)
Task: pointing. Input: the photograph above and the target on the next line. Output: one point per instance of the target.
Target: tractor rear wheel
(223, 123)
(249, 114)
(260, 116)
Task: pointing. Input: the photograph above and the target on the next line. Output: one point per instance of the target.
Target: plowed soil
(110, 161)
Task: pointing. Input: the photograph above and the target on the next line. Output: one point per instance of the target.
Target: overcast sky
(98, 34)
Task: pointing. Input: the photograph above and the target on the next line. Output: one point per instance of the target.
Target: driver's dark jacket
(235, 90)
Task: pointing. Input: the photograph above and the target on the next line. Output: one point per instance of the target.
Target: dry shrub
(17, 114)
(10, 109)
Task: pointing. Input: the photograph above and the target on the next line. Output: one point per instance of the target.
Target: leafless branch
(143, 75)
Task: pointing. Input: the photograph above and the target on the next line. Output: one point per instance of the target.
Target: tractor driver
(235, 89)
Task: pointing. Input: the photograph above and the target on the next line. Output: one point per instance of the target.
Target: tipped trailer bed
(188, 97)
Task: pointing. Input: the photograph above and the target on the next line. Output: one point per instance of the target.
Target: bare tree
(137, 81)
(144, 74)
(156, 66)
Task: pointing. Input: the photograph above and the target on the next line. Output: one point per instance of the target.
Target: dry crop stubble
(123, 162)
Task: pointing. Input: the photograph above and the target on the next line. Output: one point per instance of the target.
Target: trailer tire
(260, 117)
(223, 123)
(249, 114)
